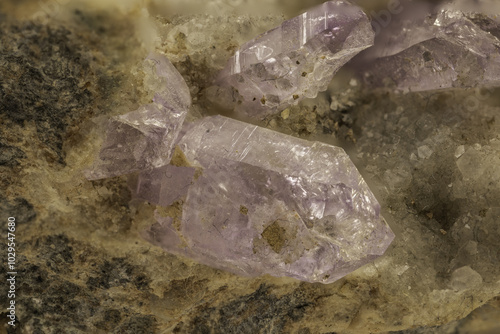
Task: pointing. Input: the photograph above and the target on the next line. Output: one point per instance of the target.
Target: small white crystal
(459, 151)
(465, 278)
(424, 152)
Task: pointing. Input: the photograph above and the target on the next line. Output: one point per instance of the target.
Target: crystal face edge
(132, 140)
(295, 60)
(447, 49)
(250, 215)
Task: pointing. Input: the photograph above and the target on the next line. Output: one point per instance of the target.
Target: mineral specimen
(144, 138)
(295, 60)
(448, 48)
(255, 201)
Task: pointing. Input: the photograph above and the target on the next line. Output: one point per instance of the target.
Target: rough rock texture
(260, 202)
(431, 159)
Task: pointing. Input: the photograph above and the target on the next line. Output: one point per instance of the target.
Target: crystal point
(266, 203)
(446, 49)
(297, 59)
(144, 138)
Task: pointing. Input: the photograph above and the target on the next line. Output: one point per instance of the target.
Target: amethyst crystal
(253, 201)
(446, 49)
(295, 60)
(144, 138)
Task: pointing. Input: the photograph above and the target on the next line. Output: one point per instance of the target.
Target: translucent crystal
(144, 138)
(446, 49)
(295, 60)
(255, 201)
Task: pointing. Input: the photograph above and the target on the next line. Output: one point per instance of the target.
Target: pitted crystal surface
(295, 60)
(255, 202)
(449, 48)
(144, 138)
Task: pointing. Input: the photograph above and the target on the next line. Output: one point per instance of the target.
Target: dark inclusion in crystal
(254, 201)
(247, 199)
(297, 59)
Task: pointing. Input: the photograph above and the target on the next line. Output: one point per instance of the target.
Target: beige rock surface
(82, 265)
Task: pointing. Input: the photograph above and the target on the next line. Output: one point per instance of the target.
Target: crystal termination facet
(255, 201)
(297, 59)
(144, 138)
(446, 49)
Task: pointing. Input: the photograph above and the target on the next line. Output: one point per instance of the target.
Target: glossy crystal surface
(446, 49)
(255, 202)
(144, 138)
(295, 60)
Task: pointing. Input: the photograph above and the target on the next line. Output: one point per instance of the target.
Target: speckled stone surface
(431, 159)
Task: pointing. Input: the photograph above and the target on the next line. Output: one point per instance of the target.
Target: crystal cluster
(446, 49)
(295, 60)
(243, 198)
(256, 201)
(144, 138)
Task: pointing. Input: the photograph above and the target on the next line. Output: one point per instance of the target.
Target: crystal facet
(446, 49)
(295, 60)
(144, 138)
(255, 201)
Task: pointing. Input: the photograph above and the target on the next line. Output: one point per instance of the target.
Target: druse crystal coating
(295, 60)
(255, 201)
(144, 138)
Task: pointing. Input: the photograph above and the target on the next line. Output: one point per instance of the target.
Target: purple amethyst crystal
(447, 48)
(295, 60)
(255, 202)
(144, 138)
